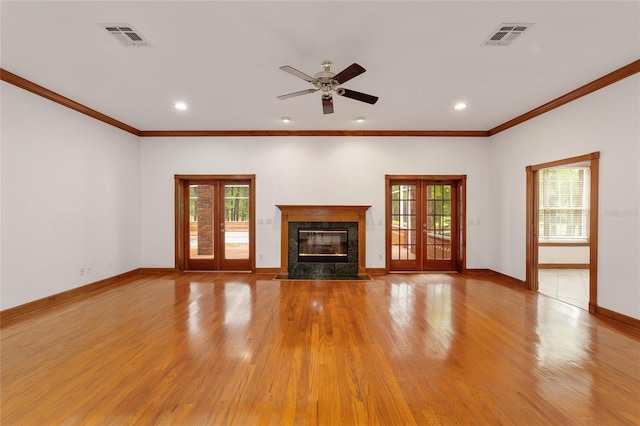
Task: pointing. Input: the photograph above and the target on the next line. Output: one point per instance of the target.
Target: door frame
(180, 231)
(532, 207)
(461, 182)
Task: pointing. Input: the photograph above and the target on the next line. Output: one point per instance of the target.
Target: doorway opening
(425, 217)
(562, 216)
(214, 229)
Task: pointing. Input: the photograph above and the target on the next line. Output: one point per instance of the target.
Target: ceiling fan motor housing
(325, 79)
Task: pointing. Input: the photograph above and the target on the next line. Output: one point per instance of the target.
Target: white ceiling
(222, 59)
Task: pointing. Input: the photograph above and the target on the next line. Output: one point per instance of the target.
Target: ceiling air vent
(506, 34)
(126, 34)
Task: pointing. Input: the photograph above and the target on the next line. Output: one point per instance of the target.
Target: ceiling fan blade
(299, 74)
(294, 94)
(327, 105)
(358, 96)
(348, 73)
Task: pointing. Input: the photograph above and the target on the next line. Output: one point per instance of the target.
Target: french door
(214, 223)
(425, 223)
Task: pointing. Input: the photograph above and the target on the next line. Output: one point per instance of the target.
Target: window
(564, 204)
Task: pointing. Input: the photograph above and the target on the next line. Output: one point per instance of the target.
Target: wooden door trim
(570, 160)
(531, 280)
(462, 226)
(593, 233)
(461, 182)
(532, 243)
(180, 229)
(426, 177)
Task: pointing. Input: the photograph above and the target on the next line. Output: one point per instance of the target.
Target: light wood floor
(242, 349)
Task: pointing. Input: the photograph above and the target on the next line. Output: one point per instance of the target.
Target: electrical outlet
(81, 271)
(88, 270)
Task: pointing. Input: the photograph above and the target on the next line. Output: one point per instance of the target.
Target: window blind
(563, 204)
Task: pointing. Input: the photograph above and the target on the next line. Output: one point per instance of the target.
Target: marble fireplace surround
(324, 214)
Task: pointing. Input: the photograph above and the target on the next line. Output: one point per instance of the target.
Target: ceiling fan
(326, 81)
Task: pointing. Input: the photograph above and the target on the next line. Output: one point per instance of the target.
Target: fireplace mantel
(322, 213)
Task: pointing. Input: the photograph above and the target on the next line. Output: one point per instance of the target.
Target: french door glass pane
(236, 221)
(201, 225)
(437, 227)
(403, 222)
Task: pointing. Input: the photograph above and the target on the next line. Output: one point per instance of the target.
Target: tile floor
(569, 285)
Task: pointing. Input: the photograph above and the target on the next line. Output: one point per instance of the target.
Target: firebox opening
(323, 245)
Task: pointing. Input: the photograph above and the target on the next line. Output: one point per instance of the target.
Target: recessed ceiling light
(360, 120)
(180, 106)
(460, 106)
(285, 119)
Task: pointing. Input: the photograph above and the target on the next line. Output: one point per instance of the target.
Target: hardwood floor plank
(223, 348)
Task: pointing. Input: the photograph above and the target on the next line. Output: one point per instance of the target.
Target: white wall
(607, 121)
(77, 193)
(70, 199)
(563, 254)
(312, 170)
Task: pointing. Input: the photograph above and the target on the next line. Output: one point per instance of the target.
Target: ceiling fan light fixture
(180, 106)
(460, 106)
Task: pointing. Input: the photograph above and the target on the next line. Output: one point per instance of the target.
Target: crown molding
(374, 133)
(64, 101)
(613, 77)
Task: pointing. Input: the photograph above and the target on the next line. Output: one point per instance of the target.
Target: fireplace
(327, 248)
(323, 242)
(323, 245)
